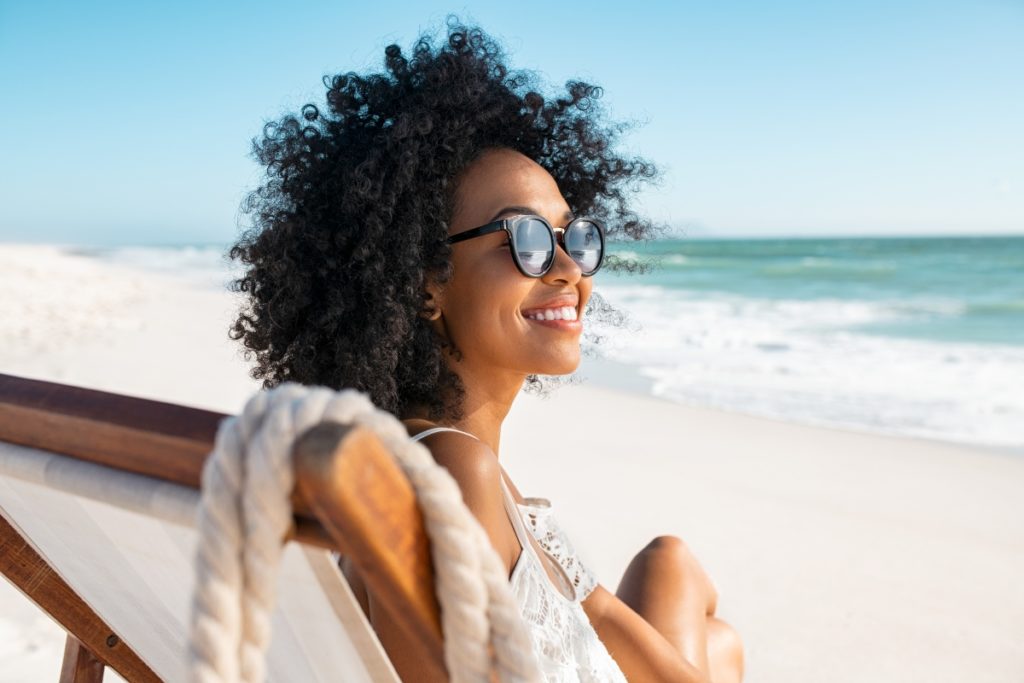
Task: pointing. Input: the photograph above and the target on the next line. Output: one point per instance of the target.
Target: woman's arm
(638, 648)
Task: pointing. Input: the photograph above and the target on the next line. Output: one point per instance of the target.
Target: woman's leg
(725, 652)
(667, 587)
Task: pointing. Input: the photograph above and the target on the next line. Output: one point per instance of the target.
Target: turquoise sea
(933, 288)
(918, 336)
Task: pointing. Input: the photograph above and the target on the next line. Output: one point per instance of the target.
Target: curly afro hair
(352, 216)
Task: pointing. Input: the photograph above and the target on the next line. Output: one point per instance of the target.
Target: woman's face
(485, 306)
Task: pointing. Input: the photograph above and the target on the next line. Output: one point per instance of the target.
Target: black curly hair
(352, 216)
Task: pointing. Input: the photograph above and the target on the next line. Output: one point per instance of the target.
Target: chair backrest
(103, 489)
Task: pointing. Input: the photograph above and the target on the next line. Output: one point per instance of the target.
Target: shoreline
(626, 378)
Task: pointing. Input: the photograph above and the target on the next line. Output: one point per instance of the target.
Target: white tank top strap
(514, 516)
(568, 590)
(433, 430)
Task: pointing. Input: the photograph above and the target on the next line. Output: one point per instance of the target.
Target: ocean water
(912, 336)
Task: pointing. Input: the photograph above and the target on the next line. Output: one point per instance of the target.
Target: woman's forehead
(503, 178)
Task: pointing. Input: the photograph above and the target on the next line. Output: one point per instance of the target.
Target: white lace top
(565, 643)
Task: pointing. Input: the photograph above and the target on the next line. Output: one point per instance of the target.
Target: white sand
(839, 556)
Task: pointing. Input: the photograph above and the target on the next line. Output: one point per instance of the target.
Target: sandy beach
(840, 556)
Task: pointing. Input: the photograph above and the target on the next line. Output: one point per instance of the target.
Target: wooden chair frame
(350, 496)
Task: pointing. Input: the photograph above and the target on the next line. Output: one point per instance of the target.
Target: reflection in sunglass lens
(534, 245)
(584, 243)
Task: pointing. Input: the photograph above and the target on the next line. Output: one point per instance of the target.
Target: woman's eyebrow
(568, 215)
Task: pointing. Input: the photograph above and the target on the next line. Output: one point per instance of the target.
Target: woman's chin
(562, 366)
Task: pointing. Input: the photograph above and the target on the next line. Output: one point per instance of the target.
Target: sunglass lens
(534, 245)
(585, 244)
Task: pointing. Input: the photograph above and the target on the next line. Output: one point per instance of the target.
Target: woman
(431, 240)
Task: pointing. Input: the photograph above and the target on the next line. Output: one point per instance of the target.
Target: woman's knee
(671, 549)
(670, 553)
(667, 544)
(725, 652)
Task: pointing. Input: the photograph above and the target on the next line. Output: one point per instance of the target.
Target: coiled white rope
(245, 513)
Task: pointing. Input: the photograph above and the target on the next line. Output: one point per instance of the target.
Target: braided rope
(245, 513)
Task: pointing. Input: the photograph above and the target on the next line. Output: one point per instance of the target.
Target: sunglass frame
(557, 236)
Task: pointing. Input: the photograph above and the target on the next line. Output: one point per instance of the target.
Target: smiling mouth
(560, 313)
(563, 321)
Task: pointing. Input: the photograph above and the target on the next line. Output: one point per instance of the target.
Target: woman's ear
(431, 308)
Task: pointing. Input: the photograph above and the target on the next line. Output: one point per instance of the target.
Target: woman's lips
(566, 325)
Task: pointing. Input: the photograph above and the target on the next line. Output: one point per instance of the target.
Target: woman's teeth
(563, 313)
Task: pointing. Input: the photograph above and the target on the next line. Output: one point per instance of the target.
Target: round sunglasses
(532, 242)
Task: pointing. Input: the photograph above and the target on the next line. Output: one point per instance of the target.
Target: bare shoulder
(475, 468)
(471, 463)
(450, 446)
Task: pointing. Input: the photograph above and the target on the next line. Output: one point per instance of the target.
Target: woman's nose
(564, 268)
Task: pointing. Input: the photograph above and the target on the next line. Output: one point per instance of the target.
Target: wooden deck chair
(98, 493)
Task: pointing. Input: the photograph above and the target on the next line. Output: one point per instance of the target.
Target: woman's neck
(485, 405)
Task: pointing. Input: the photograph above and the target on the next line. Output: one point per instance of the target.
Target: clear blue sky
(129, 122)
